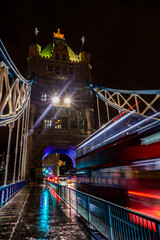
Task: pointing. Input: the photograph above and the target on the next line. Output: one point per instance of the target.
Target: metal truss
(15, 93)
(14, 89)
(144, 102)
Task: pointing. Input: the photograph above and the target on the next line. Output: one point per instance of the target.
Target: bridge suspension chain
(15, 90)
(15, 93)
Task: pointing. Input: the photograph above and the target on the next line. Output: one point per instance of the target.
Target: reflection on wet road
(34, 213)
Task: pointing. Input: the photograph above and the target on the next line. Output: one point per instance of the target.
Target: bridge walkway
(35, 214)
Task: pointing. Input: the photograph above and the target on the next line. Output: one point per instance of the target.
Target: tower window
(60, 123)
(57, 70)
(64, 71)
(70, 70)
(64, 57)
(57, 56)
(43, 97)
(47, 123)
(50, 68)
(73, 124)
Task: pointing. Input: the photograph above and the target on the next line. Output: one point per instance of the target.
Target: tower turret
(34, 47)
(84, 54)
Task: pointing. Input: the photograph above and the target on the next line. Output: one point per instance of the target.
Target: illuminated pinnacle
(83, 39)
(36, 31)
(58, 34)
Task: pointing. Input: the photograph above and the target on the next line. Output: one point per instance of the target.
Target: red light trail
(126, 111)
(144, 194)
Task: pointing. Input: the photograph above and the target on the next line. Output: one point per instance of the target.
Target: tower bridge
(53, 113)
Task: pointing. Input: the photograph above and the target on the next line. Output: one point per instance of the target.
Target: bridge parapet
(109, 219)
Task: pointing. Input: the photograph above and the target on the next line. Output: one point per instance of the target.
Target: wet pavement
(34, 213)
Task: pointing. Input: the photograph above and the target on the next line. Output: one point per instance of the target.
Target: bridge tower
(61, 103)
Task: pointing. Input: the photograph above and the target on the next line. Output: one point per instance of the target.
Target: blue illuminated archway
(64, 149)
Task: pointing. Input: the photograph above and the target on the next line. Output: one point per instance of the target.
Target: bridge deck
(35, 214)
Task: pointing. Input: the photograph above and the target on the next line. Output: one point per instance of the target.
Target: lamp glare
(55, 99)
(67, 100)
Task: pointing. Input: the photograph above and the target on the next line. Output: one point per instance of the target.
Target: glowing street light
(55, 99)
(67, 100)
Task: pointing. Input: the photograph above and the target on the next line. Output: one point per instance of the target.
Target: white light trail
(137, 124)
(107, 128)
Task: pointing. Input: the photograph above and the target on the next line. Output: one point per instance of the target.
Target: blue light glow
(44, 211)
(68, 150)
(46, 171)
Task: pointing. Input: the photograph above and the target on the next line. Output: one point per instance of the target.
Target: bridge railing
(111, 220)
(8, 191)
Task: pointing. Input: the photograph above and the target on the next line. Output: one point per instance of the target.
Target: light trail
(148, 195)
(104, 130)
(126, 111)
(127, 129)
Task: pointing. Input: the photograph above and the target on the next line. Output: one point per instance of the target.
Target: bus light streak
(148, 195)
(127, 129)
(104, 130)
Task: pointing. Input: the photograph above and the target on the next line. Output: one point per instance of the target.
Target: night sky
(123, 37)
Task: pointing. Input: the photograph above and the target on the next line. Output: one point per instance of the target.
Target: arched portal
(63, 149)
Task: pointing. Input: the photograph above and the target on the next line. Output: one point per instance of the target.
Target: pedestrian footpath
(34, 213)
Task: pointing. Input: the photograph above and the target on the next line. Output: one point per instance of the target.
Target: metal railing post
(110, 223)
(16, 150)
(89, 214)
(76, 203)
(8, 152)
(158, 231)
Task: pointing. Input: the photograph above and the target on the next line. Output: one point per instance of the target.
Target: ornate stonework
(58, 34)
(58, 71)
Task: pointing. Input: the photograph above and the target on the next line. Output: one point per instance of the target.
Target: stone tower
(61, 102)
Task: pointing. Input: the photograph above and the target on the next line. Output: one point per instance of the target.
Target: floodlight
(55, 99)
(67, 100)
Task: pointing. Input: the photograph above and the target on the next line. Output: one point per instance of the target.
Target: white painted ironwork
(14, 89)
(16, 149)
(145, 102)
(15, 93)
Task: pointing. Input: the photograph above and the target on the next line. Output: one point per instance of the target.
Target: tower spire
(36, 31)
(34, 39)
(84, 47)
